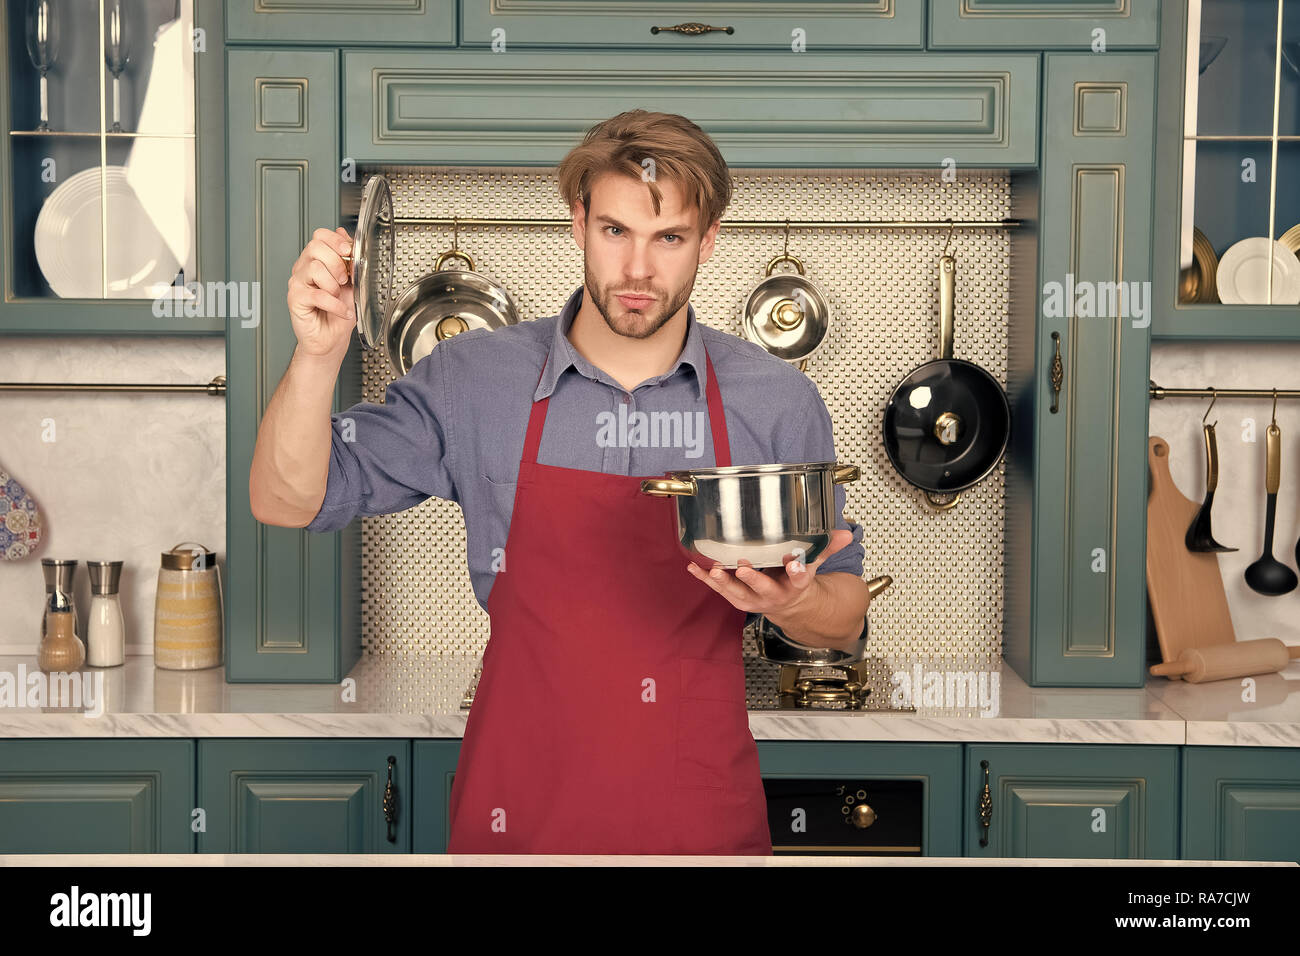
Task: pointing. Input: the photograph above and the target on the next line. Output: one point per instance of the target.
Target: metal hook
(455, 232)
(1275, 406)
(1215, 393)
(947, 244)
(785, 251)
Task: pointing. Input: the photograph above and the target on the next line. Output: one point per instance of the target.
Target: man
(610, 716)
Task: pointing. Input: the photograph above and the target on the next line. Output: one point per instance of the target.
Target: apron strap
(717, 419)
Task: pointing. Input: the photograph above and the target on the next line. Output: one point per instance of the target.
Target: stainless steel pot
(441, 304)
(758, 513)
(787, 314)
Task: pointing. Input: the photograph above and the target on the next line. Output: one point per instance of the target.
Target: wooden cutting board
(1184, 588)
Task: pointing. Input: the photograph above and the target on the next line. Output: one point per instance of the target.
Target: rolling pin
(1223, 661)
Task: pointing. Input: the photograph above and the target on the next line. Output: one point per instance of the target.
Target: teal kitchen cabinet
(742, 25)
(814, 109)
(1076, 466)
(305, 796)
(292, 598)
(1241, 803)
(434, 767)
(1045, 24)
(422, 22)
(1077, 801)
(96, 795)
(35, 165)
(936, 765)
(1218, 119)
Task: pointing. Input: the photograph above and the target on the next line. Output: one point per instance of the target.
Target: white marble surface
(420, 697)
(540, 859)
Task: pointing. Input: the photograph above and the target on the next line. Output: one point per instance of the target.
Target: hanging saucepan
(370, 264)
(441, 304)
(787, 314)
(948, 422)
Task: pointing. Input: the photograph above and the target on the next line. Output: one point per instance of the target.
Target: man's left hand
(770, 591)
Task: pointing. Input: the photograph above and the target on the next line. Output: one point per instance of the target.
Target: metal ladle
(1200, 537)
(1268, 575)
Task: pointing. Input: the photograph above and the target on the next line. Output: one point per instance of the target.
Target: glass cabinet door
(1240, 217)
(101, 135)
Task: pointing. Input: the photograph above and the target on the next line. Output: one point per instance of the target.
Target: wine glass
(43, 48)
(117, 54)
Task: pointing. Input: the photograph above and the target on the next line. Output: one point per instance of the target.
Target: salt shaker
(105, 629)
(60, 650)
(60, 575)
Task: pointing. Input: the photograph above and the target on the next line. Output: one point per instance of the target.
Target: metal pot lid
(947, 425)
(372, 261)
(441, 304)
(787, 313)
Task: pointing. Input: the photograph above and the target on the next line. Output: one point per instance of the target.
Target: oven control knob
(862, 816)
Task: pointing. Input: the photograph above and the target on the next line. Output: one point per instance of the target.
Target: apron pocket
(712, 724)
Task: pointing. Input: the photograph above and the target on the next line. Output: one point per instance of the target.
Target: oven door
(812, 816)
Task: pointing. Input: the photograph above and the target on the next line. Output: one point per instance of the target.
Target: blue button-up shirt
(453, 427)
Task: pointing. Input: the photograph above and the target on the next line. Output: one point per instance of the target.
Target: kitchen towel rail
(1162, 393)
(215, 387)
(738, 223)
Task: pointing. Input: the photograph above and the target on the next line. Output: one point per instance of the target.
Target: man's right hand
(320, 295)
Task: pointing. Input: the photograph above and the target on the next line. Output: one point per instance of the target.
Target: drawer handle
(986, 805)
(1058, 372)
(390, 802)
(692, 29)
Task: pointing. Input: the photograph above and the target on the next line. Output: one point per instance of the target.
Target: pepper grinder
(60, 650)
(60, 575)
(105, 631)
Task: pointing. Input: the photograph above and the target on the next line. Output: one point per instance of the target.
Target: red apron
(610, 715)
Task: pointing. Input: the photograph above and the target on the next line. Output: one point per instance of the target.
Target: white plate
(140, 262)
(1243, 273)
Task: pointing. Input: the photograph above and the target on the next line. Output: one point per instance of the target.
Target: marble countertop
(421, 695)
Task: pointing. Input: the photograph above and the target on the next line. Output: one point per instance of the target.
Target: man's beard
(639, 323)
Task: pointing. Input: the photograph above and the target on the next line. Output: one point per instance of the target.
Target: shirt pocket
(713, 738)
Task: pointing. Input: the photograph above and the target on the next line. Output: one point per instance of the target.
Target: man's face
(629, 251)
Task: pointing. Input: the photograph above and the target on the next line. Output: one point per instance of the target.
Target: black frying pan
(948, 422)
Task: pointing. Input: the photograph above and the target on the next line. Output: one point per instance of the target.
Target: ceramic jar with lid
(187, 624)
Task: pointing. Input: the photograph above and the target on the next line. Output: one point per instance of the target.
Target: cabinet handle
(1058, 372)
(986, 805)
(692, 29)
(390, 801)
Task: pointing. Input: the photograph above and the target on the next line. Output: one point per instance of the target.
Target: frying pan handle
(941, 506)
(947, 304)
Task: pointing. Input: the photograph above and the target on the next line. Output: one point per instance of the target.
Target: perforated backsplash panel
(946, 599)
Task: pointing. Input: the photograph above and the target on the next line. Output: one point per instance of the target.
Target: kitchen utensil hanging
(787, 313)
(1200, 536)
(948, 422)
(444, 303)
(1268, 575)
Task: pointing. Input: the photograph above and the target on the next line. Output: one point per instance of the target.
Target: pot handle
(947, 304)
(453, 253)
(785, 257)
(941, 505)
(667, 487)
(845, 473)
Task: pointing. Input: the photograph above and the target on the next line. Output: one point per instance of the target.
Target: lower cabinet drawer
(305, 796)
(96, 795)
(1084, 801)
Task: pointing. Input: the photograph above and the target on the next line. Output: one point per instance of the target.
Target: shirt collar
(562, 354)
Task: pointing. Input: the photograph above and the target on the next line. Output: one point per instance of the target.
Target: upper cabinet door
(416, 22)
(1095, 25)
(707, 25)
(817, 109)
(110, 150)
